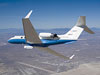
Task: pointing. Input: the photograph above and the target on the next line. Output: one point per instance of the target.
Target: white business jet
(41, 42)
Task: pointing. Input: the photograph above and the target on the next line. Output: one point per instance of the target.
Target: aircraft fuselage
(45, 42)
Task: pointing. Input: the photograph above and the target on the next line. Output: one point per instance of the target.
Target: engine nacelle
(28, 47)
(48, 35)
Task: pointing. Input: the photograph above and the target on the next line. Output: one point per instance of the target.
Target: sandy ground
(84, 69)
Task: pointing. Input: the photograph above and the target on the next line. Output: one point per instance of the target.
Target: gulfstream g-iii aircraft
(41, 42)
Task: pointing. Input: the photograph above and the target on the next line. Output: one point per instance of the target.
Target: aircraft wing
(54, 52)
(29, 31)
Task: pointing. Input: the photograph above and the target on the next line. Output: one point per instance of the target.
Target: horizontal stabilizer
(82, 23)
(88, 30)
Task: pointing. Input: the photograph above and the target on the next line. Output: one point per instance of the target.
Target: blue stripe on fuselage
(53, 42)
(45, 42)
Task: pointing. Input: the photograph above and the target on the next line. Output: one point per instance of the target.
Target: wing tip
(28, 15)
(71, 57)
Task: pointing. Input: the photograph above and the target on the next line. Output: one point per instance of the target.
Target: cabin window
(21, 37)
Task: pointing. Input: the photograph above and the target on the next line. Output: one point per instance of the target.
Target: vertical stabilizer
(81, 21)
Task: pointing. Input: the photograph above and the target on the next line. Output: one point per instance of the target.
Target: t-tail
(80, 26)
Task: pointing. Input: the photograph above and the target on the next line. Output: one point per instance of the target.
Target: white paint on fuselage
(17, 37)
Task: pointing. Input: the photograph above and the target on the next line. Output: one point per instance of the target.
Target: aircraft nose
(9, 41)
